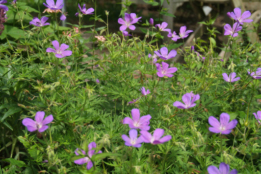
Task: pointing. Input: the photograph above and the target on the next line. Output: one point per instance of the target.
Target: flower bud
(151, 21)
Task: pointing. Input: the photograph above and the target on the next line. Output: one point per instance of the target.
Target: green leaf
(14, 32)
(167, 14)
(104, 155)
(15, 162)
(10, 111)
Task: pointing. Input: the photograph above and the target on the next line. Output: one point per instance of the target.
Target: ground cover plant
(70, 108)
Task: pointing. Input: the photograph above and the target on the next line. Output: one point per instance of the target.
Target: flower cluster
(142, 123)
(127, 22)
(240, 19)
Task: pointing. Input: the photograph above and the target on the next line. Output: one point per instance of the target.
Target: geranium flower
(156, 137)
(183, 33)
(133, 140)
(224, 126)
(63, 17)
(189, 101)
(232, 31)
(130, 19)
(236, 15)
(154, 57)
(163, 53)
(86, 159)
(163, 27)
(164, 70)
(137, 122)
(5, 8)
(255, 75)
(54, 6)
(223, 169)
(258, 116)
(151, 21)
(197, 53)
(144, 92)
(231, 77)
(125, 33)
(174, 36)
(39, 124)
(39, 23)
(60, 52)
(84, 10)
(133, 101)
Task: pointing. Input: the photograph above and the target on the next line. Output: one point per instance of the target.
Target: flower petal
(81, 161)
(224, 119)
(29, 122)
(127, 120)
(179, 105)
(125, 138)
(146, 136)
(133, 134)
(56, 44)
(225, 77)
(165, 138)
(43, 128)
(135, 114)
(48, 120)
(213, 122)
(232, 124)
(214, 129)
(158, 133)
(39, 116)
(48, 50)
(213, 170)
(91, 145)
(89, 165)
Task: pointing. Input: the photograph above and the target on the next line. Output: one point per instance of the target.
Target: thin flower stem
(221, 146)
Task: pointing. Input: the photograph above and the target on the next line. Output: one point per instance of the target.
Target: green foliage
(86, 110)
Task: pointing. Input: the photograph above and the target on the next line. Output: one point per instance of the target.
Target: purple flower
(183, 33)
(137, 122)
(133, 140)
(232, 31)
(97, 81)
(84, 10)
(189, 101)
(258, 116)
(51, 5)
(174, 36)
(163, 53)
(224, 126)
(130, 19)
(154, 58)
(86, 159)
(156, 137)
(223, 169)
(125, 33)
(231, 77)
(163, 26)
(236, 15)
(144, 92)
(39, 23)
(5, 8)
(59, 51)
(39, 124)
(133, 101)
(164, 70)
(151, 21)
(63, 17)
(255, 75)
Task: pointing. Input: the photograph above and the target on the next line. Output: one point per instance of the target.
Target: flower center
(59, 51)
(133, 141)
(136, 123)
(39, 125)
(163, 72)
(222, 128)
